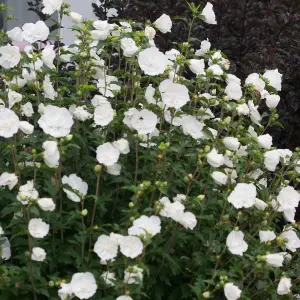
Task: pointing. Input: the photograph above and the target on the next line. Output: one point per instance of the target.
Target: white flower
(122, 145)
(126, 27)
(75, 17)
(254, 114)
(180, 198)
(219, 178)
(191, 126)
(109, 278)
(259, 204)
(13, 98)
(271, 159)
(102, 30)
(26, 127)
(27, 192)
(10, 56)
(152, 61)
(285, 155)
(197, 66)
(48, 55)
(257, 82)
(124, 297)
(49, 91)
(77, 185)
(112, 12)
(205, 47)
(231, 291)
(174, 210)
(8, 179)
(274, 260)
(243, 195)
(46, 204)
(243, 109)
(80, 113)
(209, 14)
(129, 47)
(272, 101)
(293, 242)
(150, 32)
(284, 286)
(107, 154)
(150, 225)
(83, 285)
(233, 78)
(114, 170)
(106, 247)
(16, 34)
(265, 141)
(174, 94)
(51, 154)
(131, 246)
(37, 228)
(216, 70)
(215, 159)
(172, 54)
(288, 198)
(289, 215)
(235, 242)
(65, 291)
(38, 254)
(188, 220)
(234, 90)
(35, 32)
(56, 121)
(163, 23)
(231, 143)
(103, 113)
(149, 94)
(275, 78)
(5, 248)
(144, 122)
(266, 236)
(50, 6)
(107, 85)
(27, 109)
(98, 100)
(133, 274)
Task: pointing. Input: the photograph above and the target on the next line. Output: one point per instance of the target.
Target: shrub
(129, 173)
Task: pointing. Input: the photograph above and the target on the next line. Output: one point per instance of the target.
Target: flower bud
(206, 295)
(131, 205)
(207, 149)
(69, 137)
(229, 153)
(98, 168)
(200, 197)
(51, 283)
(84, 212)
(132, 219)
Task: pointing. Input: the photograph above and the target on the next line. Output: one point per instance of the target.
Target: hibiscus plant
(128, 173)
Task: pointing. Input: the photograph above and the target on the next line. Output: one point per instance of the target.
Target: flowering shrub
(128, 173)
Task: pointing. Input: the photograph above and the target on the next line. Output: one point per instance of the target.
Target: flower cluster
(127, 170)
